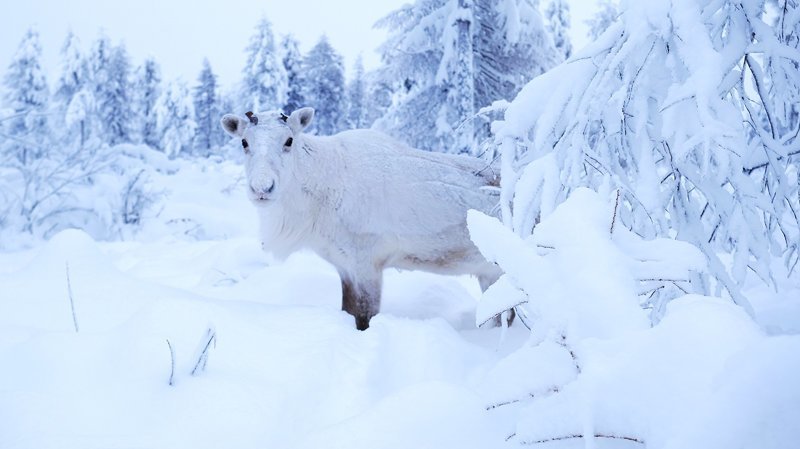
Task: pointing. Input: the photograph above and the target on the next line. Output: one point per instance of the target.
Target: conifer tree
(292, 63)
(324, 87)
(206, 111)
(174, 113)
(74, 72)
(265, 81)
(73, 97)
(606, 15)
(27, 95)
(110, 68)
(433, 72)
(357, 98)
(558, 23)
(146, 90)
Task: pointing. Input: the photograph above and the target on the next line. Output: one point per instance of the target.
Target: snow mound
(425, 415)
(581, 287)
(702, 354)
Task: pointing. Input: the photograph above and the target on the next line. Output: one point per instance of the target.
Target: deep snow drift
(286, 368)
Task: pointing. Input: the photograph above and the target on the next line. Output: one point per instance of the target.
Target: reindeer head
(268, 144)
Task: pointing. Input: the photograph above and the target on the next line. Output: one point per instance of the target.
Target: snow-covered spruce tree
(324, 87)
(73, 95)
(264, 82)
(455, 75)
(357, 98)
(380, 93)
(145, 90)
(27, 96)
(174, 114)
(206, 112)
(606, 14)
(512, 46)
(292, 63)
(675, 105)
(24, 132)
(558, 23)
(110, 67)
(74, 72)
(78, 118)
(421, 61)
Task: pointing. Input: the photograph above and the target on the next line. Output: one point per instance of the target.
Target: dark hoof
(362, 323)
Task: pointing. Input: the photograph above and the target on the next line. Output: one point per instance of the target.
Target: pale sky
(180, 33)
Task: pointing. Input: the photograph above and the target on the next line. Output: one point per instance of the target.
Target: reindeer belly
(443, 255)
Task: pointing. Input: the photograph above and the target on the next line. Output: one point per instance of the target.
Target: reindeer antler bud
(253, 118)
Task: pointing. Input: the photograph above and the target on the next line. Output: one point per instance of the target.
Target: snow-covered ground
(277, 364)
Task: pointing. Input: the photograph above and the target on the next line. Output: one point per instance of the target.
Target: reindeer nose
(263, 190)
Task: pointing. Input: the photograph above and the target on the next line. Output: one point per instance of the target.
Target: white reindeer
(362, 201)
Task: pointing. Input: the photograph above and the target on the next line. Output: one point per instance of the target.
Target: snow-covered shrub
(594, 368)
(677, 106)
(104, 191)
(581, 273)
(683, 116)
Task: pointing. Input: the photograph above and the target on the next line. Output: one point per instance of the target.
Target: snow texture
(288, 369)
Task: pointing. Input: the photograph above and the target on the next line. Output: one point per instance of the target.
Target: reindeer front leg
(361, 297)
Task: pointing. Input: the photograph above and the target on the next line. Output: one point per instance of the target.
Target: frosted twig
(522, 315)
(500, 404)
(71, 301)
(172, 363)
(563, 343)
(544, 393)
(597, 435)
(614, 217)
(202, 359)
(663, 280)
(498, 314)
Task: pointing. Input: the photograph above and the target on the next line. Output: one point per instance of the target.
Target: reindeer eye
(288, 142)
(245, 145)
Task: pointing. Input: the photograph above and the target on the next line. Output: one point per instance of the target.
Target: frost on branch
(573, 277)
(689, 108)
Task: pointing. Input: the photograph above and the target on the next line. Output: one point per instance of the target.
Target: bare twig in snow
(597, 435)
(614, 217)
(202, 359)
(172, 364)
(565, 345)
(71, 301)
(544, 393)
(494, 317)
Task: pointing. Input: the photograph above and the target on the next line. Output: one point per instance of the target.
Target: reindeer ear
(234, 125)
(300, 119)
